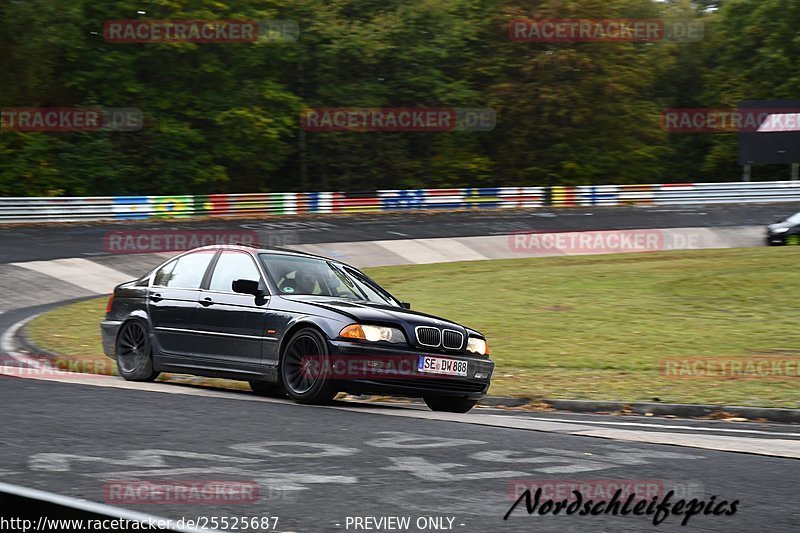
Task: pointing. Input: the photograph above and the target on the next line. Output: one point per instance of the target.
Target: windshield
(309, 275)
(794, 219)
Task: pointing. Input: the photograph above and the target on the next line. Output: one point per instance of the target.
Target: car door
(231, 325)
(172, 302)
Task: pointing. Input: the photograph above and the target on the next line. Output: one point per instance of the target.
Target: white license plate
(440, 365)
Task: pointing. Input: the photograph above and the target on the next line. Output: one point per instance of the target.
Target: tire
(271, 390)
(135, 353)
(792, 240)
(449, 405)
(304, 384)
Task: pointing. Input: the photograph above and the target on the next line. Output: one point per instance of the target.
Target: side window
(230, 267)
(186, 272)
(164, 274)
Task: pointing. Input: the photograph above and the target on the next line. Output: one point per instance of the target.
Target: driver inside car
(305, 282)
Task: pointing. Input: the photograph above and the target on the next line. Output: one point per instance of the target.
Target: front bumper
(394, 371)
(108, 332)
(776, 239)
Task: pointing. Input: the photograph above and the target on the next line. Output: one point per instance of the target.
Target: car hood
(777, 225)
(366, 312)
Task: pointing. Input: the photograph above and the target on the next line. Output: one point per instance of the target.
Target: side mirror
(406, 305)
(246, 286)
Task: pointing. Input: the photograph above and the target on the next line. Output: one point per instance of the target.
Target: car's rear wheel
(449, 404)
(272, 390)
(134, 353)
(304, 364)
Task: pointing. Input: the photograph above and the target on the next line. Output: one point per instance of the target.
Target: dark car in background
(290, 323)
(784, 232)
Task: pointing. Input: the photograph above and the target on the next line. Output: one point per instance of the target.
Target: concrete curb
(771, 414)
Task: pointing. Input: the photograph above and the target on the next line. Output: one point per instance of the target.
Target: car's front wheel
(135, 353)
(448, 404)
(304, 366)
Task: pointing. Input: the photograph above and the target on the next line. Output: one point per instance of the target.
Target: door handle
(206, 301)
(155, 297)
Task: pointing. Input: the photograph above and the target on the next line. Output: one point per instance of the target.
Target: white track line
(773, 447)
(664, 426)
(757, 446)
(91, 507)
(425, 251)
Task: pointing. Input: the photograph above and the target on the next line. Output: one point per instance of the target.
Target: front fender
(328, 326)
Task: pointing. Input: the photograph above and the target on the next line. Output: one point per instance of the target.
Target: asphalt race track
(35, 243)
(316, 466)
(331, 468)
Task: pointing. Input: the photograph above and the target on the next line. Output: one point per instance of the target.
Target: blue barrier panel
(408, 199)
(131, 207)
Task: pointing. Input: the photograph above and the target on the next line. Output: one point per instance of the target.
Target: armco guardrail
(24, 209)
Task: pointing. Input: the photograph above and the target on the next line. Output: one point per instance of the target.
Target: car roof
(263, 249)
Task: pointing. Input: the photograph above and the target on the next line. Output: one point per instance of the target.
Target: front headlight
(373, 333)
(474, 344)
(780, 230)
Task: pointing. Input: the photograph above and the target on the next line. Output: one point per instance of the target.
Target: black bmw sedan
(290, 323)
(784, 232)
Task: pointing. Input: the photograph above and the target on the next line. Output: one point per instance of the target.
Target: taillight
(109, 304)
